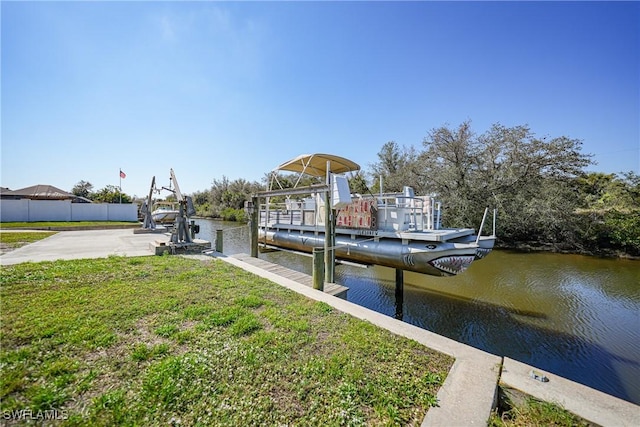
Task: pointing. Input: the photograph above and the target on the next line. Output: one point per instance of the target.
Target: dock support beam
(219, 241)
(329, 239)
(253, 218)
(252, 208)
(399, 293)
(318, 269)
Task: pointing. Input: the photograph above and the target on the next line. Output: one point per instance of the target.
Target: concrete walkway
(84, 244)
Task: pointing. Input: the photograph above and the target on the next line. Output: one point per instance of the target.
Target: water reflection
(575, 316)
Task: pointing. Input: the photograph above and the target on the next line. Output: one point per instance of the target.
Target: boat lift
(183, 230)
(148, 223)
(334, 193)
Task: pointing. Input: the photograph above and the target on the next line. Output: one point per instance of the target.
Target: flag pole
(120, 175)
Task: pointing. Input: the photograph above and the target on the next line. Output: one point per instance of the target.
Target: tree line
(544, 197)
(108, 194)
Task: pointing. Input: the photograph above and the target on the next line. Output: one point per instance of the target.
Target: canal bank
(469, 393)
(570, 315)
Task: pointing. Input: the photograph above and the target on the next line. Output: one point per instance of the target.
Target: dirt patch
(5, 248)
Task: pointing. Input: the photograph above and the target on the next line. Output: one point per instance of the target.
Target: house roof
(40, 192)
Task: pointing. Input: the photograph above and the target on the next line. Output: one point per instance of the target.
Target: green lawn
(168, 340)
(46, 224)
(16, 239)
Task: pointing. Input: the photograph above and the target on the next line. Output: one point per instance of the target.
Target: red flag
(122, 174)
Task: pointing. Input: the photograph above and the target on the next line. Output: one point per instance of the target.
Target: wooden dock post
(219, 240)
(253, 208)
(329, 254)
(318, 269)
(399, 293)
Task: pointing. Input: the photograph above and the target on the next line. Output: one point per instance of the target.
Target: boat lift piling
(328, 272)
(399, 293)
(253, 208)
(329, 231)
(219, 240)
(318, 269)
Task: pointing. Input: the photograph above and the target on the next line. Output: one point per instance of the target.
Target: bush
(603, 231)
(623, 230)
(230, 214)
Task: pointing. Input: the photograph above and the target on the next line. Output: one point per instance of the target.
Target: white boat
(164, 212)
(397, 230)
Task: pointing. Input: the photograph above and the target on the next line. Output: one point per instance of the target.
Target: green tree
(358, 183)
(395, 167)
(202, 202)
(82, 189)
(110, 194)
(229, 196)
(448, 166)
(610, 218)
(530, 180)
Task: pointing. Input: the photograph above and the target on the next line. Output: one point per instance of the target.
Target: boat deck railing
(406, 212)
(396, 212)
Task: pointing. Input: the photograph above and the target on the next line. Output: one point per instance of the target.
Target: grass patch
(161, 340)
(17, 239)
(519, 410)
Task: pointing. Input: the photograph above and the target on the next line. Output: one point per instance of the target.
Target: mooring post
(219, 240)
(253, 208)
(399, 293)
(329, 258)
(318, 269)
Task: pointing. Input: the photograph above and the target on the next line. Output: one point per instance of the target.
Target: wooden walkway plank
(302, 278)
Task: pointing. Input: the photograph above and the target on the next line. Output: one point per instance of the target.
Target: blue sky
(215, 89)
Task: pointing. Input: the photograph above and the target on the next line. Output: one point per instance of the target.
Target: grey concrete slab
(589, 404)
(84, 244)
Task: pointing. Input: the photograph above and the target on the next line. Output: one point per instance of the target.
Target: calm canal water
(572, 315)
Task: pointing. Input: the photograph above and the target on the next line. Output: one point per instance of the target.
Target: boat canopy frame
(314, 165)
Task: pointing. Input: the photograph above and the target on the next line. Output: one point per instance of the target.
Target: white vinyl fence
(26, 210)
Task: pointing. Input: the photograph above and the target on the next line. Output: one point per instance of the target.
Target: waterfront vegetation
(169, 340)
(540, 187)
(545, 198)
(532, 412)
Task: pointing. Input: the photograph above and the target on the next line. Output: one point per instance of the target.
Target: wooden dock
(329, 288)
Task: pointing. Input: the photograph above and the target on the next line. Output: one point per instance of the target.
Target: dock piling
(318, 269)
(219, 242)
(253, 216)
(399, 293)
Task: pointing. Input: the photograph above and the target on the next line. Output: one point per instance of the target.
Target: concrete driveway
(85, 244)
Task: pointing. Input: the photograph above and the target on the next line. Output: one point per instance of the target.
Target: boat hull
(164, 217)
(433, 258)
